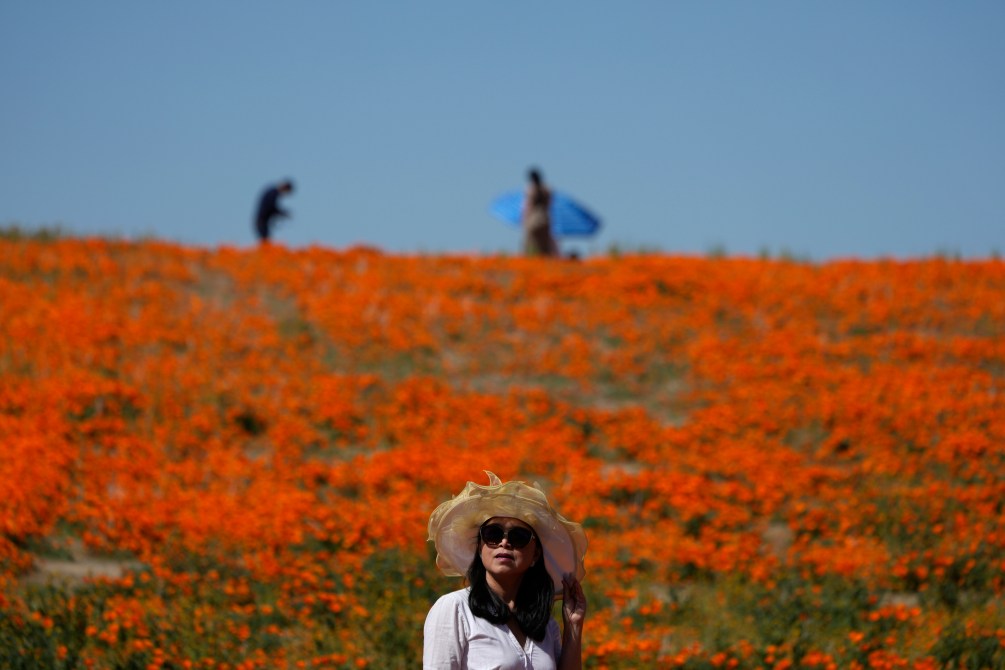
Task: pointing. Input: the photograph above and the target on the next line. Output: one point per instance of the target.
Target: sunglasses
(518, 536)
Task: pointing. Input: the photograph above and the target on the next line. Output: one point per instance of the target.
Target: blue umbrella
(568, 217)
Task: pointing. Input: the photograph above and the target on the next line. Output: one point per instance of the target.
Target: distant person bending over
(269, 209)
(536, 218)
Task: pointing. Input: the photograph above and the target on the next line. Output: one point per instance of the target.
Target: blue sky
(821, 129)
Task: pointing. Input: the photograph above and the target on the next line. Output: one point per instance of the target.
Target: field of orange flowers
(779, 464)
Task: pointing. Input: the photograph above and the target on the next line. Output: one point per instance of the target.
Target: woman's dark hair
(533, 600)
(534, 175)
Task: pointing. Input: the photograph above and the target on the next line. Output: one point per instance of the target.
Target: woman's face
(503, 560)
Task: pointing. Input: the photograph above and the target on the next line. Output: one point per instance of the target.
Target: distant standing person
(269, 209)
(536, 218)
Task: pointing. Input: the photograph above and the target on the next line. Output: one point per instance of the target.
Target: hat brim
(453, 527)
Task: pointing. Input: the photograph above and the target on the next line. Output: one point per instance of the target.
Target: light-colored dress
(537, 237)
(455, 639)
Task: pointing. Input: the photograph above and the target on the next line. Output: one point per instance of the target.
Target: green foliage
(15, 232)
(966, 649)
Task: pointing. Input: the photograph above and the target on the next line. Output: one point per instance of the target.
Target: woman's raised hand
(573, 603)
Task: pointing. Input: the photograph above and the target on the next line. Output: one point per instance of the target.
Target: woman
(517, 553)
(536, 218)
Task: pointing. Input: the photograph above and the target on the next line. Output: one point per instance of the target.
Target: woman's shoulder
(457, 598)
(449, 611)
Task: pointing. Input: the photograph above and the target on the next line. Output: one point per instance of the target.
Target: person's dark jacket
(268, 209)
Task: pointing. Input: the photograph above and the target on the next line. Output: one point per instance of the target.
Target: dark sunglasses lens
(519, 537)
(492, 534)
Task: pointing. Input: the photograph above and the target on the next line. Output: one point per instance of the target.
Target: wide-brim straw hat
(453, 527)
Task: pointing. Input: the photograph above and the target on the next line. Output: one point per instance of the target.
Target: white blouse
(456, 639)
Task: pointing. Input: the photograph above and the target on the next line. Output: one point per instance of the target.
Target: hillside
(227, 458)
